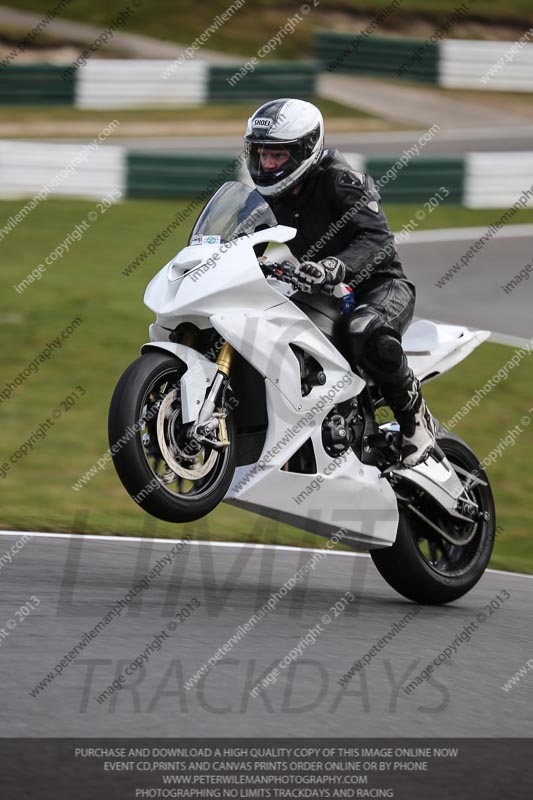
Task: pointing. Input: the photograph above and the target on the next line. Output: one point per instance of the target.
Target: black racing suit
(337, 212)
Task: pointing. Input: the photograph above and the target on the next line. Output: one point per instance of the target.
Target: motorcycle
(245, 394)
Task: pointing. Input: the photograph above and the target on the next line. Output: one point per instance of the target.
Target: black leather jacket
(338, 213)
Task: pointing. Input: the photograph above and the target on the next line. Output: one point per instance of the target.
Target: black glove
(315, 276)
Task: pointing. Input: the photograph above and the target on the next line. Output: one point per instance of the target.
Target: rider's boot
(418, 434)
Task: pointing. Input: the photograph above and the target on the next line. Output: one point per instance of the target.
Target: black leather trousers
(375, 327)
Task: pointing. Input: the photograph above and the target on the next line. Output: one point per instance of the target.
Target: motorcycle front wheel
(432, 568)
(168, 475)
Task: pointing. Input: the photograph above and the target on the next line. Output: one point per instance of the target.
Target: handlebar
(284, 271)
(281, 271)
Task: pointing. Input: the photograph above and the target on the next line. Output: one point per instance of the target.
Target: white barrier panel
(494, 66)
(139, 83)
(497, 180)
(83, 170)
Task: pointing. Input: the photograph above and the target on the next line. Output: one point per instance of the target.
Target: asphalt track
(446, 142)
(78, 580)
(474, 295)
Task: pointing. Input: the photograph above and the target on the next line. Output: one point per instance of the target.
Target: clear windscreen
(234, 210)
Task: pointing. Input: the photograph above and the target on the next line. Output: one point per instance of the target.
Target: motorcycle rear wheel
(423, 566)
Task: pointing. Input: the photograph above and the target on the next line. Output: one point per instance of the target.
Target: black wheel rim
(447, 559)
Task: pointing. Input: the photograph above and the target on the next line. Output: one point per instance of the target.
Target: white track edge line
(252, 545)
(461, 234)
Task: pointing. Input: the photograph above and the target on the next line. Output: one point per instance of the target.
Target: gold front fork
(225, 358)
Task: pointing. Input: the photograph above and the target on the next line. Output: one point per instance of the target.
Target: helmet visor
(269, 163)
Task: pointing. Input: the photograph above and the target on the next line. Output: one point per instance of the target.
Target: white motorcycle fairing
(221, 285)
(433, 348)
(261, 324)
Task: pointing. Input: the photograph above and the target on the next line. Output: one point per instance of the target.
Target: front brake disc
(165, 418)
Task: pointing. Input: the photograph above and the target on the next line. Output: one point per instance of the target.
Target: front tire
(423, 566)
(141, 445)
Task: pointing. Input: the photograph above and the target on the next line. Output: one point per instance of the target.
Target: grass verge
(252, 24)
(212, 112)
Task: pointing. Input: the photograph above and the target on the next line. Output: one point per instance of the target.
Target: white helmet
(294, 126)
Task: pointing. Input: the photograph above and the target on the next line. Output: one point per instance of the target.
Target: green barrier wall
(380, 56)
(36, 85)
(266, 82)
(419, 179)
(188, 175)
(178, 175)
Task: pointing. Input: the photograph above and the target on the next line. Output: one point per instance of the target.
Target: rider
(342, 236)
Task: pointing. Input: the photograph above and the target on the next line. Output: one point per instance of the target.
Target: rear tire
(138, 459)
(421, 565)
